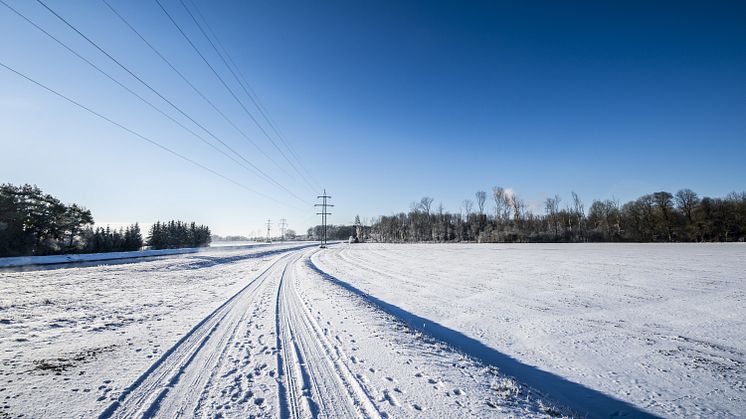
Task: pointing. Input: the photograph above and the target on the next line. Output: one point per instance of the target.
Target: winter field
(370, 330)
(661, 326)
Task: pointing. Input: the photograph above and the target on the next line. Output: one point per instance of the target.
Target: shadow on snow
(585, 400)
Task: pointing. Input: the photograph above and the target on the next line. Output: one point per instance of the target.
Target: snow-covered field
(224, 243)
(258, 332)
(382, 331)
(84, 258)
(71, 337)
(23, 261)
(659, 326)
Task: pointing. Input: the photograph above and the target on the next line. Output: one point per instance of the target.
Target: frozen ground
(260, 332)
(660, 326)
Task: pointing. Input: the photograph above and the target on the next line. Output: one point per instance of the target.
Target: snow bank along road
(660, 326)
(243, 333)
(32, 263)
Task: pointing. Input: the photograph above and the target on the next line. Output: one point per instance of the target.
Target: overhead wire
(190, 84)
(250, 96)
(97, 68)
(141, 136)
(255, 98)
(177, 108)
(225, 84)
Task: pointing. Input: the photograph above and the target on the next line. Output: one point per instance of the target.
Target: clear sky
(382, 101)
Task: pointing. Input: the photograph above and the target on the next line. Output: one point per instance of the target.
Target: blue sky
(384, 102)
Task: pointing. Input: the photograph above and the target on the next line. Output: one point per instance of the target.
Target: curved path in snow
(295, 342)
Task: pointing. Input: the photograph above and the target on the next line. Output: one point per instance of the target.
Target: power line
(324, 205)
(222, 81)
(137, 134)
(261, 128)
(269, 227)
(130, 72)
(154, 107)
(252, 96)
(262, 109)
(192, 86)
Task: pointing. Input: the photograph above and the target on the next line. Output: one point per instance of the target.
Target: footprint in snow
(390, 398)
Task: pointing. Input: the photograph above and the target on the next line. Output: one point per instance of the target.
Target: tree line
(504, 217)
(177, 234)
(333, 232)
(35, 223)
(106, 239)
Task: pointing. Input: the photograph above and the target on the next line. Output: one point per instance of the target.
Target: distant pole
(269, 227)
(324, 205)
(283, 224)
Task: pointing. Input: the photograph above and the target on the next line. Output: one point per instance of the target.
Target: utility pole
(283, 224)
(324, 205)
(269, 227)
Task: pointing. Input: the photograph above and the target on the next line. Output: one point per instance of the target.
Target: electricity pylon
(324, 205)
(283, 225)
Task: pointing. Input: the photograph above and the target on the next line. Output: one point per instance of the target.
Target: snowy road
(272, 336)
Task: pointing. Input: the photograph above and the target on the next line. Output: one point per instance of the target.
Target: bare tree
(481, 199)
(518, 207)
(577, 204)
(687, 200)
(604, 217)
(503, 203)
(551, 205)
(660, 216)
(664, 203)
(519, 213)
(579, 214)
(425, 204)
(468, 206)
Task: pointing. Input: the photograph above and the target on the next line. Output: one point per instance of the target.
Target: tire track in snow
(293, 403)
(317, 382)
(174, 381)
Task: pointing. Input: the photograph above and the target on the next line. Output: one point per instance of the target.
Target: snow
(94, 257)
(80, 334)
(378, 330)
(239, 333)
(224, 243)
(660, 327)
